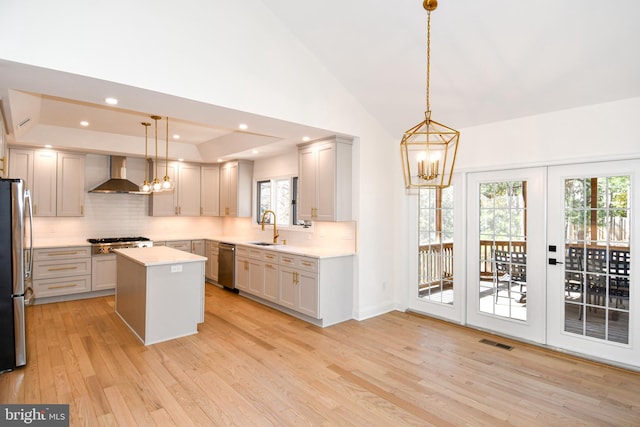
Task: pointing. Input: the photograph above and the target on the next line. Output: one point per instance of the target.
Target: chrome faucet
(275, 230)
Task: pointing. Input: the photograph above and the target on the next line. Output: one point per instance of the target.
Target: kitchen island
(160, 292)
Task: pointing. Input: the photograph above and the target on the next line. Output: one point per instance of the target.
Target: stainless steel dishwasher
(227, 265)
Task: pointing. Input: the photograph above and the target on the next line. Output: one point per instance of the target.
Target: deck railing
(435, 262)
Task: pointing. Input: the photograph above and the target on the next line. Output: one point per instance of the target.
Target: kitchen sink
(262, 243)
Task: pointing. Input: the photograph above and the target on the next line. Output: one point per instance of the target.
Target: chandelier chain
(428, 59)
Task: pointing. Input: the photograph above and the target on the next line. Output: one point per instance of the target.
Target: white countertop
(294, 249)
(51, 242)
(158, 255)
(310, 251)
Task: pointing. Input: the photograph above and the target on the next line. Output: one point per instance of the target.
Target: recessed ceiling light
(84, 123)
(111, 101)
(243, 126)
(181, 160)
(306, 139)
(48, 146)
(255, 151)
(220, 160)
(176, 136)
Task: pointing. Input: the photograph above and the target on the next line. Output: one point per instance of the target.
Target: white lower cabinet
(211, 265)
(299, 284)
(319, 289)
(103, 272)
(61, 271)
(271, 280)
(249, 270)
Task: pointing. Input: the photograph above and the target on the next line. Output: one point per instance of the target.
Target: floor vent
(496, 344)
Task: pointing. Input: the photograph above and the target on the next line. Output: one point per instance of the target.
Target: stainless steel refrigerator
(16, 262)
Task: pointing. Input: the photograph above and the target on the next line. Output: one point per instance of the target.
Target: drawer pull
(62, 268)
(62, 253)
(307, 264)
(70, 285)
(269, 256)
(287, 259)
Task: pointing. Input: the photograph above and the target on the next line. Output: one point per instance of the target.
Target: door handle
(552, 261)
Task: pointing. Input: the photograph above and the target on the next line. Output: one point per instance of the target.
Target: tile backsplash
(115, 215)
(109, 215)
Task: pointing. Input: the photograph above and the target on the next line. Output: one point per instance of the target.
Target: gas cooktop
(106, 240)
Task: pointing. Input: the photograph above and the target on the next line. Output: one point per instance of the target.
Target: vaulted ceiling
(491, 60)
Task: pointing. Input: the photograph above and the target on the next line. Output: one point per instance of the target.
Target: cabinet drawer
(61, 286)
(61, 268)
(181, 245)
(270, 256)
(255, 253)
(299, 262)
(308, 264)
(62, 253)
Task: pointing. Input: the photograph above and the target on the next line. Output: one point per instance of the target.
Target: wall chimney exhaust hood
(118, 182)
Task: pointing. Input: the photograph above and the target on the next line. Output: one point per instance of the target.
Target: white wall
(591, 133)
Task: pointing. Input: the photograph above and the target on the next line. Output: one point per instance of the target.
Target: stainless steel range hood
(118, 182)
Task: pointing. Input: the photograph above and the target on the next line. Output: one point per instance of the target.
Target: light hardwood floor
(251, 365)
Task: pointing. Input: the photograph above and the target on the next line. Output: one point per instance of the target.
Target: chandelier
(429, 148)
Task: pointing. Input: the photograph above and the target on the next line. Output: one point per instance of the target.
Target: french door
(592, 256)
(506, 287)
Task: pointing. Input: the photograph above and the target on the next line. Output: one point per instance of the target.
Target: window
(279, 196)
(435, 252)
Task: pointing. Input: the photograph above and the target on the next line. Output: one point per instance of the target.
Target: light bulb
(156, 185)
(145, 187)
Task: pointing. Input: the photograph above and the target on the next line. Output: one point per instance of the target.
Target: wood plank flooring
(251, 365)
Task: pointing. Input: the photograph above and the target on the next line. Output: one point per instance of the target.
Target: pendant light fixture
(146, 187)
(429, 148)
(167, 184)
(155, 184)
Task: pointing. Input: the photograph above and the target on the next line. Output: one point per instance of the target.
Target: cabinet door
(288, 288)
(197, 247)
(325, 183)
(270, 282)
(164, 203)
(44, 183)
(210, 191)
(307, 184)
(21, 165)
(70, 192)
(307, 293)
(229, 190)
(256, 277)
(188, 190)
(208, 248)
(242, 273)
(103, 272)
(214, 265)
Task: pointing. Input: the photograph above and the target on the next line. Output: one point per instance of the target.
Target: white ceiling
(491, 60)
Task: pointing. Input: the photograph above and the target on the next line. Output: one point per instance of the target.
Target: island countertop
(158, 255)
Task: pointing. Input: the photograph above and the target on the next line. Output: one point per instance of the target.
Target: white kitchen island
(160, 292)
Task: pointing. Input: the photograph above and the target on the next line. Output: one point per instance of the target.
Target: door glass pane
(435, 251)
(503, 254)
(597, 257)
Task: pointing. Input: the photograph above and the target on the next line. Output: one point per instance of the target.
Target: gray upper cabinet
(235, 188)
(324, 176)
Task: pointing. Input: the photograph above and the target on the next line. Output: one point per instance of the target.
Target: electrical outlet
(176, 268)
